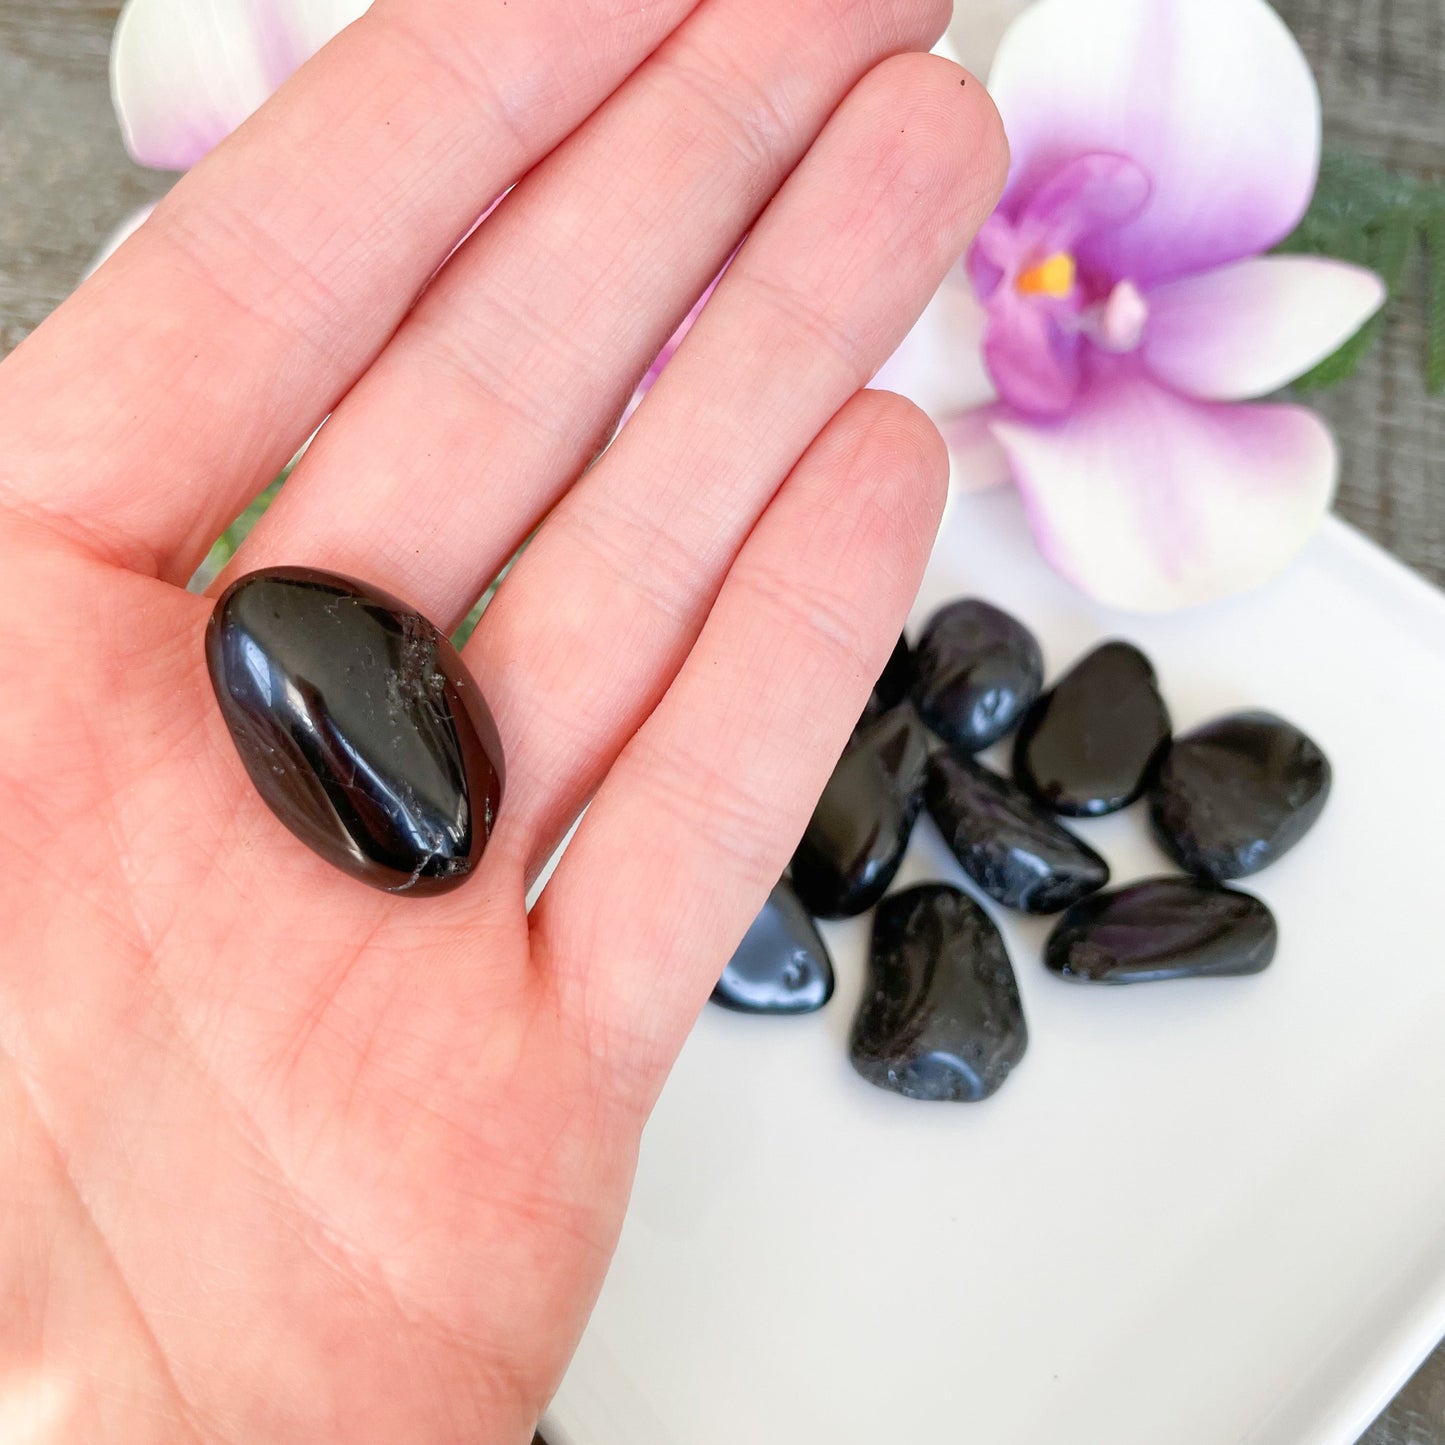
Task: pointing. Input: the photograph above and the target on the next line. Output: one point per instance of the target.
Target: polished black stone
(359, 726)
(1236, 795)
(893, 686)
(1014, 850)
(861, 826)
(977, 670)
(941, 1016)
(782, 966)
(1165, 928)
(1091, 744)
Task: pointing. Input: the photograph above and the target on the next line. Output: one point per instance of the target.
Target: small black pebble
(861, 826)
(782, 965)
(976, 670)
(1235, 796)
(1161, 929)
(359, 726)
(1090, 745)
(1016, 852)
(941, 1018)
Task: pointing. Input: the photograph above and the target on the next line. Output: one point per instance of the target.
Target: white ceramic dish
(1204, 1213)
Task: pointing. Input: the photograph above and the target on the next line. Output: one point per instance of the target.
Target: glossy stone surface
(977, 670)
(1091, 744)
(782, 966)
(359, 726)
(861, 826)
(1014, 850)
(1236, 795)
(893, 686)
(941, 1017)
(1161, 929)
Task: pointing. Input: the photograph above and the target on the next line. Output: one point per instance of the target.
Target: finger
(600, 612)
(176, 383)
(697, 820)
(495, 393)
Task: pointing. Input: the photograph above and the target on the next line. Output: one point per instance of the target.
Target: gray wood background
(65, 183)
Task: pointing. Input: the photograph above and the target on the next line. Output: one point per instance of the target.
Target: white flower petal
(1151, 501)
(978, 463)
(186, 73)
(119, 237)
(940, 366)
(1248, 329)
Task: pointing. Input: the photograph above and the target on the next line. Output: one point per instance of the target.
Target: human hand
(286, 1159)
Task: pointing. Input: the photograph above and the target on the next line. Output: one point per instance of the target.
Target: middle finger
(597, 617)
(497, 391)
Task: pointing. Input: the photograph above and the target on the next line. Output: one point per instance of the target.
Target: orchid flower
(1100, 342)
(1117, 311)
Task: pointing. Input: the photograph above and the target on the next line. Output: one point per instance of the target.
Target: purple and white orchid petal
(1151, 501)
(939, 365)
(119, 237)
(977, 462)
(670, 348)
(1090, 194)
(185, 74)
(1248, 329)
(1034, 360)
(1213, 98)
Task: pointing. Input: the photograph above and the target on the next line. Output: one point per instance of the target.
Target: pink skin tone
(286, 1160)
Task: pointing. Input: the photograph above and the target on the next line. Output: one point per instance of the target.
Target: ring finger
(596, 619)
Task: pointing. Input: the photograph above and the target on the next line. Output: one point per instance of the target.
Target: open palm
(285, 1159)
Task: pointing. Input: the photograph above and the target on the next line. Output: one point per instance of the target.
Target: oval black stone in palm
(1161, 929)
(1014, 850)
(860, 829)
(941, 1017)
(1090, 745)
(1236, 795)
(893, 686)
(976, 671)
(782, 965)
(359, 726)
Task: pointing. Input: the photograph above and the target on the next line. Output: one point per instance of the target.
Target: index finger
(164, 395)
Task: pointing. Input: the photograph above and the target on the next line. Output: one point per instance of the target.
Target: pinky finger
(701, 812)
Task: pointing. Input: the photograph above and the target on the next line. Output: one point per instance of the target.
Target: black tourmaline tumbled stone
(1015, 851)
(861, 826)
(782, 966)
(893, 686)
(1090, 745)
(1165, 928)
(941, 1016)
(359, 725)
(976, 671)
(1236, 795)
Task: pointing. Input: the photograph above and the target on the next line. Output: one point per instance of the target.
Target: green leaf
(1386, 251)
(1434, 232)
(1364, 213)
(229, 542)
(1355, 197)
(463, 634)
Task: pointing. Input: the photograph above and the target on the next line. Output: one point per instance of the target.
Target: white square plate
(1201, 1213)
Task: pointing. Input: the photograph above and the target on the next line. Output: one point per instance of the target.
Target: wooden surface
(65, 183)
